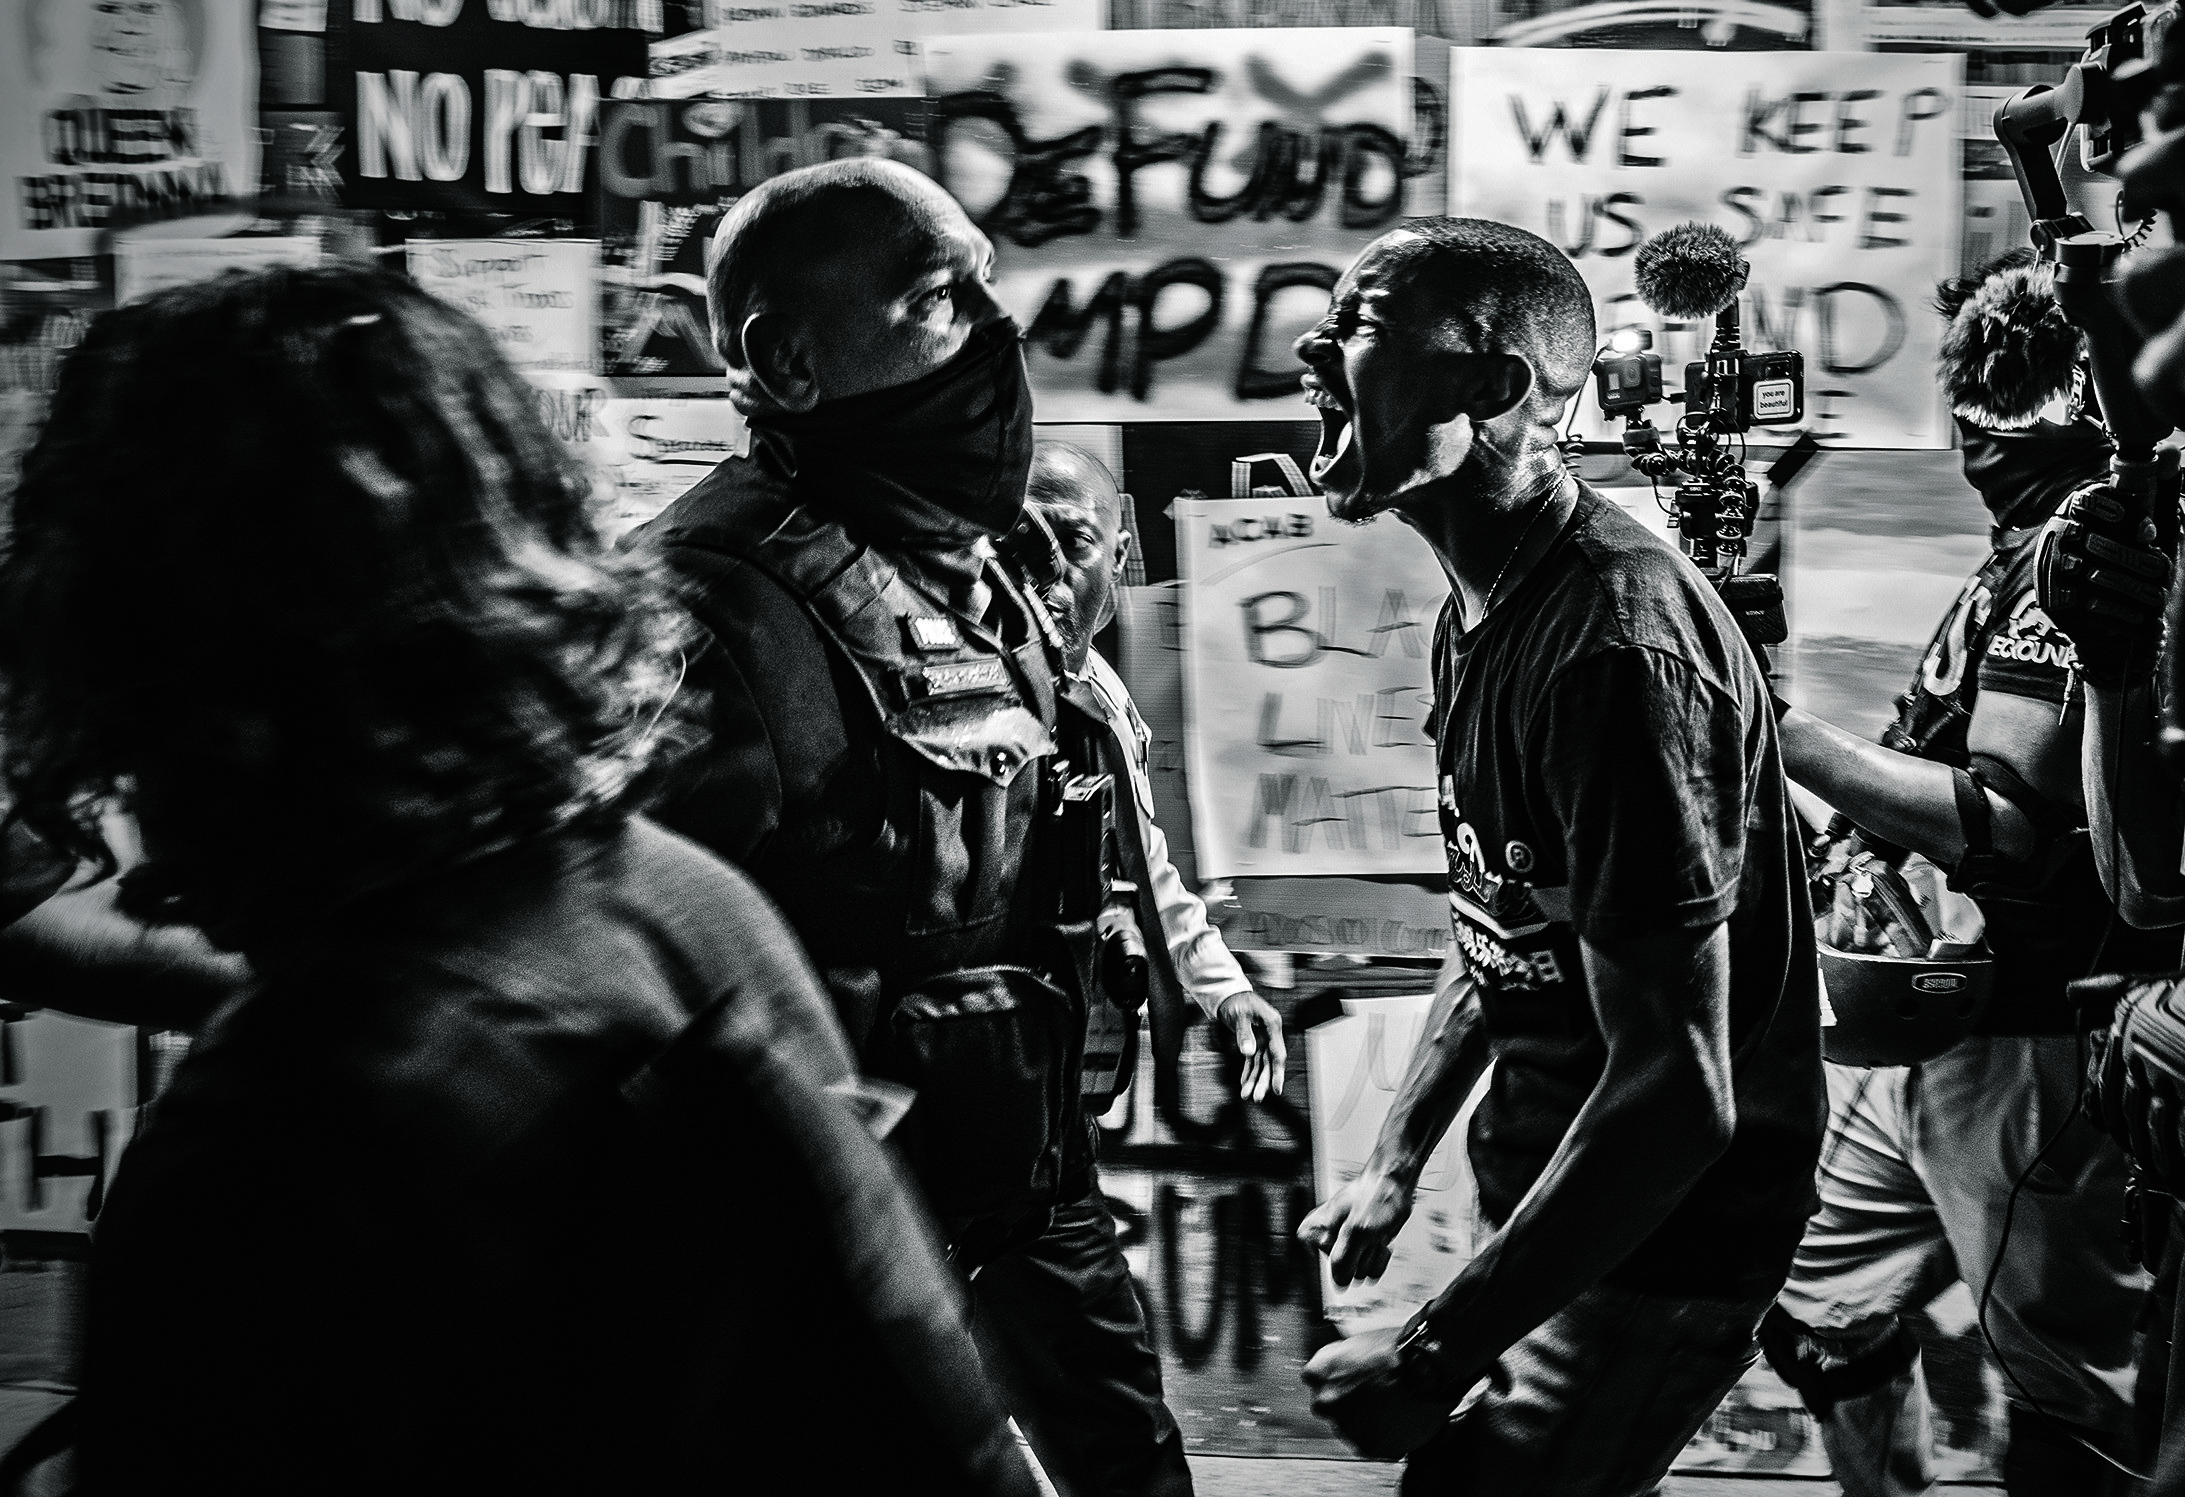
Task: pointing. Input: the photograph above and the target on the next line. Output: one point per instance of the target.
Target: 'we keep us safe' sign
(1307, 680)
(1838, 172)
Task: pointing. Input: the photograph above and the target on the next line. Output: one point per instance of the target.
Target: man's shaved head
(834, 280)
(1068, 476)
(788, 235)
(1076, 495)
(1507, 291)
(1452, 346)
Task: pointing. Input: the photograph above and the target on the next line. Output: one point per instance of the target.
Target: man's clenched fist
(1363, 1387)
(1356, 1225)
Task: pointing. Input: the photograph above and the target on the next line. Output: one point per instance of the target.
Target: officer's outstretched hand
(1264, 1054)
(1362, 1387)
(2101, 579)
(1355, 1226)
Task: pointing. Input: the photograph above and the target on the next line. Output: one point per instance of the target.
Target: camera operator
(1978, 774)
(2105, 579)
(1633, 921)
(2109, 592)
(890, 764)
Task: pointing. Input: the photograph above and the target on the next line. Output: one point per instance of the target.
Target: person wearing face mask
(888, 760)
(1980, 775)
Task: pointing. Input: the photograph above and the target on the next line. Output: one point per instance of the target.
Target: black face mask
(935, 463)
(2023, 476)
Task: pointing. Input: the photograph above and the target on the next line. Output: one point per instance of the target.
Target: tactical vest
(2058, 926)
(982, 1008)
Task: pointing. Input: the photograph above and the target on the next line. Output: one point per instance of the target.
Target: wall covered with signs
(1172, 186)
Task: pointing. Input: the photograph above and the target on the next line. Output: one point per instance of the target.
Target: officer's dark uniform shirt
(1996, 637)
(887, 871)
(1609, 767)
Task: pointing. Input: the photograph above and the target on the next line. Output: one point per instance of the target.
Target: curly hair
(2008, 349)
(299, 575)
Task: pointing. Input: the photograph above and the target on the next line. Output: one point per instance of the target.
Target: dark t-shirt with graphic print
(1997, 638)
(1609, 767)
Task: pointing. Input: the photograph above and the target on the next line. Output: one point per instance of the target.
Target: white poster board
(538, 297)
(1169, 208)
(69, 1112)
(132, 108)
(838, 49)
(1307, 681)
(1837, 171)
(143, 266)
(643, 453)
(1358, 1062)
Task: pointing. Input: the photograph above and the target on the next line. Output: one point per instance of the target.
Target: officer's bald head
(848, 266)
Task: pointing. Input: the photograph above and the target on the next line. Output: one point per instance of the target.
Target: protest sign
(668, 170)
(1836, 172)
(122, 111)
(142, 266)
(643, 452)
(1169, 208)
(1356, 1064)
(479, 106)
(1307, 680)
(842, 49)
(538, 297)
(68, 1107)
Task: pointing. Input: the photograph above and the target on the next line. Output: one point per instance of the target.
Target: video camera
(2100, 100)
(1693, 271)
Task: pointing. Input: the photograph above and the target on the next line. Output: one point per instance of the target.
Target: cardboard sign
(841, 49)
(124, 110)
(538, 297)
(1836, 171)
(643, 453)
(1357, 1063)
(142, 266)
(479, 106)
(68, 1106)
(1307, 683)
(1169, 208)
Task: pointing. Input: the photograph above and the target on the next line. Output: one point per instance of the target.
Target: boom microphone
(1690, 271)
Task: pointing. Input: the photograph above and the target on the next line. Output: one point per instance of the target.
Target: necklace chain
(1540, 507)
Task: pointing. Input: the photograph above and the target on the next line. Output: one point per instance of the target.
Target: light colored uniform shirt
(1204, 966)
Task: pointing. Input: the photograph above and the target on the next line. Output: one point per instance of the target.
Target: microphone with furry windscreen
(1689, 272)
(1686, 273)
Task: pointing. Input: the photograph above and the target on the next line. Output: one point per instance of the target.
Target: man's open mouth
(1335, 428)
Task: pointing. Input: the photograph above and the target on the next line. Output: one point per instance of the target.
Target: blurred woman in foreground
(530, 1162)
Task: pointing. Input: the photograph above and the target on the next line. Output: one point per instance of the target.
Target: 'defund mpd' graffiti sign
(1836, 171)
(1169, 208)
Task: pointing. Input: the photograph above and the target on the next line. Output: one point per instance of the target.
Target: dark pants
(1595, 1403)
(1063, 1335)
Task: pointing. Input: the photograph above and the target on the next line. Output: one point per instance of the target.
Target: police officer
(889, 761)
(1979, 773)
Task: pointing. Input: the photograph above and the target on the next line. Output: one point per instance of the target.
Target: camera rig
(1692, 271)
(2101, 98)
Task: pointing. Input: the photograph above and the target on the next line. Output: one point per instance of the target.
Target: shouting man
(1626, 890)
